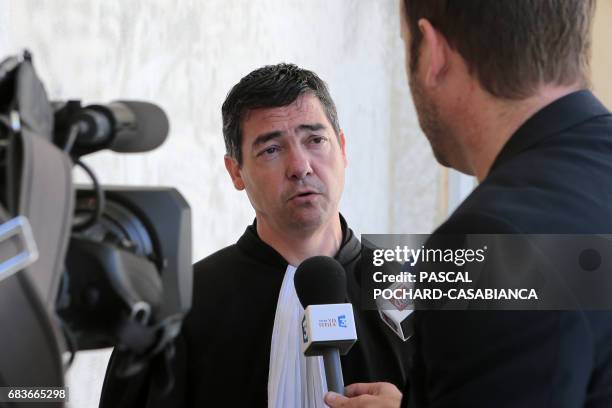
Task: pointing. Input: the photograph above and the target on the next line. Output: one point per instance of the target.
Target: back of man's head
(511, 46)
(268, 87)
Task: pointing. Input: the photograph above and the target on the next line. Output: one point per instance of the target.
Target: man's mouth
(304, 194)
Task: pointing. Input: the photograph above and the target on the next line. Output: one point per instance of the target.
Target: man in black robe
(286, 149)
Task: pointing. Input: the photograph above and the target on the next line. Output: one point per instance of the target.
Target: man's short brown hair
(511, 46)
(270, 87)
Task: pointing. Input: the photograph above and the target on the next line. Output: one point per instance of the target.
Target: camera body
(128, 264)
(82, 267)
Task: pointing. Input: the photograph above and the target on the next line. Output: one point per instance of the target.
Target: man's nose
(298, 164)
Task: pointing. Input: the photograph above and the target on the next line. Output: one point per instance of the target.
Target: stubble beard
(307, 216)
(429, 119)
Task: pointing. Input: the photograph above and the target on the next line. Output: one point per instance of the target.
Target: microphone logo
(342, 321)
(328, 323)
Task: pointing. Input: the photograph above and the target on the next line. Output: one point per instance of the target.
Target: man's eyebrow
(265, 137)
(313, 127)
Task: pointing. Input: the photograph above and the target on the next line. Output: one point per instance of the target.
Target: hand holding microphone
(366, 395)
(328, 329)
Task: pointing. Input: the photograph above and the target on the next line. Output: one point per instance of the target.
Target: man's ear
(342, 141)
(435, 53)
(233, 168)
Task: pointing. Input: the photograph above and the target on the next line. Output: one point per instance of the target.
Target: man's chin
(306, 218)
(441, 158)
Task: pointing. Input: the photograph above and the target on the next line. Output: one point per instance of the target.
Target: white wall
(185, 56)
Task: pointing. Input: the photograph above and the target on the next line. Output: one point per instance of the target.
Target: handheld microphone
(328, 323)
(121, 126)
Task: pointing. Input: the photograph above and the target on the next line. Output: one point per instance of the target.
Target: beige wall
(602, 52)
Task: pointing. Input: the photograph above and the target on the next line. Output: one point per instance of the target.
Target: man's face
(293, 165)
(430, 120)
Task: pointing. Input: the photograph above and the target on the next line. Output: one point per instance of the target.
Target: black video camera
(83, 267)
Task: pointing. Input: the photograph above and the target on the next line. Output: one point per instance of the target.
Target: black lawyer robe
(223, 351)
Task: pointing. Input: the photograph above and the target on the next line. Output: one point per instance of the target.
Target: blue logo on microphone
(342, 321)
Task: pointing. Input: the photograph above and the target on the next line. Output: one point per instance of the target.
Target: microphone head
(151, 125)
(320, 280)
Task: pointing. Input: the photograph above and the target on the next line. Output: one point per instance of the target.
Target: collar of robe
(250, 242)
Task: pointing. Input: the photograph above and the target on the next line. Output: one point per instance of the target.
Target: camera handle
(18, 249)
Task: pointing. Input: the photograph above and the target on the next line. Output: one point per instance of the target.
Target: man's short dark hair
(268, 87)
(511, 46)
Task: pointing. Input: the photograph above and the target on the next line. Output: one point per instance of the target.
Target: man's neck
(493, 122)
(297, 246)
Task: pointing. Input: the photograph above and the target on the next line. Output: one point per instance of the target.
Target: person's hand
(366, 395)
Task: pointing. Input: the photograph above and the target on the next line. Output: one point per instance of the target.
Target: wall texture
(186, 55)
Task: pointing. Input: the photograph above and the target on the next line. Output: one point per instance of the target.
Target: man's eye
(317, 139)
(268, 151)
